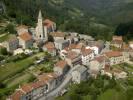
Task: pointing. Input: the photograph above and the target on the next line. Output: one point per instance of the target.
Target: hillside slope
(83, 16)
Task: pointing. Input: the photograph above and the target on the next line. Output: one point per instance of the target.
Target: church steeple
(40, 15)
(41, 32)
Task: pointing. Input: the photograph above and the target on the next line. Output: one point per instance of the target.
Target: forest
(75, 15)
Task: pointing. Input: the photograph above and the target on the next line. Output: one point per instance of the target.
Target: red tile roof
(57, 34)
(61, 64)
(86, 52)
(72, 55)
(25, 36)
(22, 26)
(117, 38)
(26, 88)
(46, 77)
(48, 23)
(50, 46)
(100, 59)
(38, 84)
(113, 54)
(16, 95)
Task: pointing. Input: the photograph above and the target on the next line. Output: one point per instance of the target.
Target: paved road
(51, 95)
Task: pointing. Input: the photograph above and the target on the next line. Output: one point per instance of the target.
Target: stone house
(11, 44)
(61, 67)
(57, 35)
(73, 58)
(60, 44)
(32, 91)
(22, 29)
(25, 40)
(50, 48)
(79, 74)
(117, 41)
(52, 80)
(49, 25)
(96, 65)
(131, 44)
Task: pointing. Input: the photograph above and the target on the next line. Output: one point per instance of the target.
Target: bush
(3, 51)
(10, 28)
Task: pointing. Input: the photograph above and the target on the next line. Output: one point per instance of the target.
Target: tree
(3, 51)
(10, 28)
(129, 93)
(50, 38)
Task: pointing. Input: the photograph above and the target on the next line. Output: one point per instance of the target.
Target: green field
(4, 37)
(14, 74)
(10, 69)
(18, 79)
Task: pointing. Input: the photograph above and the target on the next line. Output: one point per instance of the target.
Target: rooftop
(72, 55)
(61, 64)
(57, 34)
(100, 59)
(49, 45)
(16, 95)
(113, 54)
(26, 88)
(25, 36)
(86, 52)
(48, 23)
(47, 77)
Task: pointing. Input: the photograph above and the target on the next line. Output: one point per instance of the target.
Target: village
(57, 58)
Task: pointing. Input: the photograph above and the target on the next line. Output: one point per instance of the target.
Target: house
(50, 25)
(60, 44)
(79, 74)
(74, 34)
(86, 37)
(117, 41)
(70, 39)
(33, 91)
(119, 74)
(25, 40)
(63, 53)
(17, 95)
(78, 47)
(87, 55)
(22, 29)
(52, 80)
(94, 48)
(18, 51)
(116, 72)
(73, 58)
(97, 46)
(96, 65)
(100, 45)
(61, 67)
(11, 43)
(57, 35)
(50, 48)
(131, 44)
(75, 47)
(115, 57)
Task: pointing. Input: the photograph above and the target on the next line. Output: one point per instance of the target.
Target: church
(43, 28)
